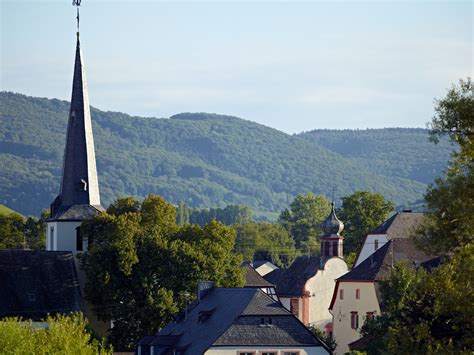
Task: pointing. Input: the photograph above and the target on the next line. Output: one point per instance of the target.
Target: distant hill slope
(400, 152)
(4, 211)
(202, 159)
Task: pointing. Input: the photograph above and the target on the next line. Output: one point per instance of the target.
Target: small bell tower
(331, 241)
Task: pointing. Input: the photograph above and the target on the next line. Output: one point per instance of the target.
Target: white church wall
(64, 236)
(321, 288)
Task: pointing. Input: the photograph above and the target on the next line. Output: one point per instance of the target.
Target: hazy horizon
(291, 66)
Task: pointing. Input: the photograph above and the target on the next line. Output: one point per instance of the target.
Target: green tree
(141, 265)
(426, 313)
(12, 232)
(303, 219)
(265, 241)
(450, 201)
(64, 335)
(361, 212)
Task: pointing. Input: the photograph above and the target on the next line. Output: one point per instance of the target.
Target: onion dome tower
(79, 196)
(331, 241)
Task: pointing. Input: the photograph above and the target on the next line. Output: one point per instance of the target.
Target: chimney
(203, 288)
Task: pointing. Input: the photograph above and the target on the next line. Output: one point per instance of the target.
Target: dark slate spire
(79, 186)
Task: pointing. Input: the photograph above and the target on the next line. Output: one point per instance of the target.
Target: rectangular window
(294, 306)
(357, 294)
(370, 315)
(326, 248)
(290, 353)
(334, 248)
(51, 238)
(268, 352)
(341, 294)
(247, 353)
(78, 239)
(376, 244)
(354, 320)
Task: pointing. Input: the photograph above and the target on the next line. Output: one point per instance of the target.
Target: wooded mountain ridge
(209, 160)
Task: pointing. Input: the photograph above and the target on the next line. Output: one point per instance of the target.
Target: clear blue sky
(294, 66)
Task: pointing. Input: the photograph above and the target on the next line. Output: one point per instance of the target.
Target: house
(306, 287)
(254, 280)
(400, 225)
(37, 283)
(263, 267)
(237, 321)
(356, 295)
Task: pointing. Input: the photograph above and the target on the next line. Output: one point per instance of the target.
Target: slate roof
(291, 281)
(76, 212)
(35, 283)
(253, 278)
(233, 316)
(79, 185)
(400, 225)
(377, 266)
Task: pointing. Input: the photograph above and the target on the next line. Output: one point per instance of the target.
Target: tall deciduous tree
(361, 212)
(303, 219)
(265, 241)
(141, 266)
(450, 200)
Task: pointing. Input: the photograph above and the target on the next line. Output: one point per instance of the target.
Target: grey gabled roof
(378, 265)
(400, 225)
(79, 185)
(233, 315)
(35, 283)
(291, 281)
(253, 278)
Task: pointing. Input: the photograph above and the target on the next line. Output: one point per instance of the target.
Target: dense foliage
(18, 232)
(142, 267)
(265, 241)
(203, 160)
(391, 152)
(426, 313)
(64, 335)
(450, 200)
(361, 212)
(303, 219)
(230, 214)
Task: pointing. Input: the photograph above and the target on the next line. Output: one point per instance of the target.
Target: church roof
(37, 283)
(79, 184)
(291, 281)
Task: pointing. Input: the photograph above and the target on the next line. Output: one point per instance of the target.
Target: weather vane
(77, 3)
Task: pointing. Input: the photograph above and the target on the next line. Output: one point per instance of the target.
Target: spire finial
(77, 3)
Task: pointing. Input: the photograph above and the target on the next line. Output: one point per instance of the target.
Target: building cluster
(269, 316)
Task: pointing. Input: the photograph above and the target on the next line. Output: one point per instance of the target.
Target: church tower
(79, 197)
(331, 241)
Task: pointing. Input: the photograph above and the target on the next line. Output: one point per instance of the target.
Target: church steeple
(79, 185)
(79, 197)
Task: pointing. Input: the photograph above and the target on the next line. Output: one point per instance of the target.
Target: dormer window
(205, 315)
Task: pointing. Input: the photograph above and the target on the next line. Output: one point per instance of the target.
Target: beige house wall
(341, 311)
(321, 288)
(234, 350)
